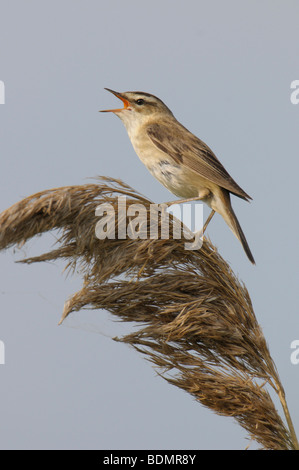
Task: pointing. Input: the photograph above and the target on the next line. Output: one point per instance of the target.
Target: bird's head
(138, 107)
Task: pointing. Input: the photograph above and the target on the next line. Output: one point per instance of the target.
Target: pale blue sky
(225, 70)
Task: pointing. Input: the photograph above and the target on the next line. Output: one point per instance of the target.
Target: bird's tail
(233, 223)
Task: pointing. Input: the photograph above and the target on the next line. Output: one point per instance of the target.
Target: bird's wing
(185, 148)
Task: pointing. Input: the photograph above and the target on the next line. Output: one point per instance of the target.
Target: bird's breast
(176, 177)
(169, 173)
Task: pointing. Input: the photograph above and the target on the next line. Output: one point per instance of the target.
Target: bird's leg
(181, 201)
(203, 194)
(207, 222)
(198, 236)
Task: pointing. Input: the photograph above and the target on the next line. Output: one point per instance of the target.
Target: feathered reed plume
(198, 326)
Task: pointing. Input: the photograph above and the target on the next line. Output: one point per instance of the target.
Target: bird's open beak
(119, 95)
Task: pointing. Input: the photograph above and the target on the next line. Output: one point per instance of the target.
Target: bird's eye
(140, 102)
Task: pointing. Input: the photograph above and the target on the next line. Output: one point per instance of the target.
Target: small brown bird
(177, 158)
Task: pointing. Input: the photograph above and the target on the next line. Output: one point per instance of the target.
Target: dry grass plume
(197, 323)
